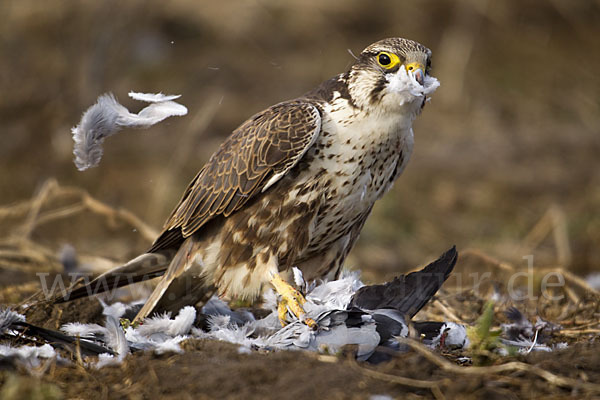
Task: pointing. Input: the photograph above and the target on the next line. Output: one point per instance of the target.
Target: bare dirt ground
(505, 166)
(211, 370)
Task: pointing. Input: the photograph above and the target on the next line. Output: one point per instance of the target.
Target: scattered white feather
(138, 341)
(336, 294)
(25, 352)
(84, 330)
(270, 300)
(170, 345)
(107, 116)
(327, 303)
(28, 355)
(111, 334)
(8, 317)
(153, 97)
(216, 322)
(525, 346)
(106, 360)
(115, 337)
(180, 325)
(162, 334)
(232, 333)
(158, 324)
(298, 278)
(115, 310)
(267, 333)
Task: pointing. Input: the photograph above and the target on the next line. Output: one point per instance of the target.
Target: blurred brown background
(510, 138)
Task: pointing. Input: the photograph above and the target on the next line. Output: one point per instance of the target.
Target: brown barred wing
(254, 157)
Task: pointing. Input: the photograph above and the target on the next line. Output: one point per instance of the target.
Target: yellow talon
(126, 323)
(292, 300)
(312, 324)
(282, 312)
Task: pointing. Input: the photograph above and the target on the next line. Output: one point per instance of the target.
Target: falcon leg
(291, 300)
(282, 311)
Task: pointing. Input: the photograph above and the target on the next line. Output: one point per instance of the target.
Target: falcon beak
(417, 71)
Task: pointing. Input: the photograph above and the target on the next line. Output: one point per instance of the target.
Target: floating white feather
(107, 116)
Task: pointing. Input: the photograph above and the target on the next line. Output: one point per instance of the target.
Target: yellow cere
(414, 65)
(388, 62)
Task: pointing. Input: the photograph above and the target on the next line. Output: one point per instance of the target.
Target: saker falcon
(292, 186)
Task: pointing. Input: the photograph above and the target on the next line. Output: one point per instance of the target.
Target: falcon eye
(387, 60)
(384, 59)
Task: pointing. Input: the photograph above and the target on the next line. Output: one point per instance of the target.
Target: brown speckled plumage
(292, 186)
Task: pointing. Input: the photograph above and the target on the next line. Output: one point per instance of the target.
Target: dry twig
(552, 222)
(548, 376)
(446, 311)
(434, 386)
(488, 259)
(51, 190)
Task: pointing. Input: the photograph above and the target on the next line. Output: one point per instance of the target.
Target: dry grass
(575, 306)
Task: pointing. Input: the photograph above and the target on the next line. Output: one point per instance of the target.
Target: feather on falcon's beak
(417, 71)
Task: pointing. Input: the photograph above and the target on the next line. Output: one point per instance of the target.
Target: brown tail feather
(141, 268)
(181, 285)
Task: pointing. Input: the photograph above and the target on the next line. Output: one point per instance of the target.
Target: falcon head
(392, 74)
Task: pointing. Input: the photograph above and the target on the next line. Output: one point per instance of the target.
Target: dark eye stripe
(376, 93)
